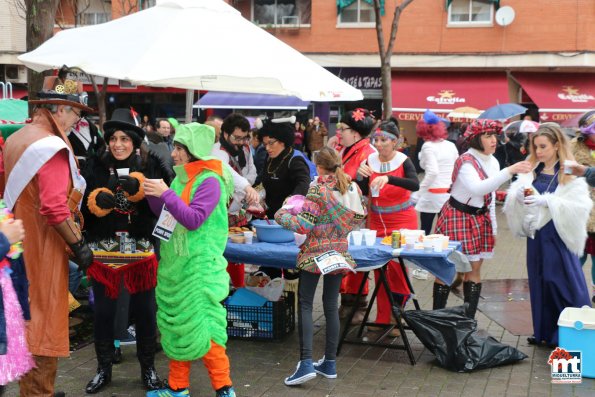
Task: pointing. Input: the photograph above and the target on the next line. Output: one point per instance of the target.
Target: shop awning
(236, 100)
(559, 96)
(414, 92)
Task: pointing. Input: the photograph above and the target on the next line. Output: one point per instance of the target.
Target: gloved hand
(82, 254)
(535, 201)
(105, 200)
(129, 184)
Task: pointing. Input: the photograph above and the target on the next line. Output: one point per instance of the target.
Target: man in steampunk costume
(43, 188)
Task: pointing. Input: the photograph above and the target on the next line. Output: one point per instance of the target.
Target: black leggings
(330, 304)
(143, 307)
(426, 220)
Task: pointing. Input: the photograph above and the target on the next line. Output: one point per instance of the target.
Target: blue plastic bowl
(272, 233)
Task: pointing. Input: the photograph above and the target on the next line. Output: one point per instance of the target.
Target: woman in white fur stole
(552, 209)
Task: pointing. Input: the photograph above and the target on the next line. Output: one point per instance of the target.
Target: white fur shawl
(569, 207)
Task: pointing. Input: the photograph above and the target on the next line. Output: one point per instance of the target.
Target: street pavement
(258, 368)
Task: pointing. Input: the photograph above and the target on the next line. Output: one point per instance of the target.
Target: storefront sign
(445, 97)
(574, 95)
(556, 117)
(360, 78)
(416, 116)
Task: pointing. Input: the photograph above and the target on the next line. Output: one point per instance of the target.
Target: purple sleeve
(155, 203)
(202, 205)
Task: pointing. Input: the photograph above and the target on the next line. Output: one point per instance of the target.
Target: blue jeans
(74, 277)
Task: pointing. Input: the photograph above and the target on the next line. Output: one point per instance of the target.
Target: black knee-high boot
(145, 351)
(471, 292)
(105, 351)
(440, 296)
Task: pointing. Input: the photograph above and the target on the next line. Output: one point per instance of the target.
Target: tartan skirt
(473, 231)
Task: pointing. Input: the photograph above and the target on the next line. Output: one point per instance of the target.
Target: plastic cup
(248, 236)
(375, 192)
(568, 166)
(437, 244)
(357, 237)
(410, 242)
(123, 171)
(445, 242)
(428, 245)
(370, 237)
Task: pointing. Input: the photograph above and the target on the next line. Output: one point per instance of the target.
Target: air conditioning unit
(15, 73)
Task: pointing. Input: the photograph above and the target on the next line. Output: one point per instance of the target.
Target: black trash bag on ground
(454, 340)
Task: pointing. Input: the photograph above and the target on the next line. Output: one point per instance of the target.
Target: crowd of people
(145, 213)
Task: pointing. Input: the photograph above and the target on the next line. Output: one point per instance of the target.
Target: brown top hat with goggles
(58, 91)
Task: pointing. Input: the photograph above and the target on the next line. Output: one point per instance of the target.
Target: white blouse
(437, 159)
(469, 188)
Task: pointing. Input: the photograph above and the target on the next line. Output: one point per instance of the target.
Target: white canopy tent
(195, 45)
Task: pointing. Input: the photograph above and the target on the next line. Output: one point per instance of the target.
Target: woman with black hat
(284, 173)
(119, 221)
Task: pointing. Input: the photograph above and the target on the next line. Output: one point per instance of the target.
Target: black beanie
(283, 132)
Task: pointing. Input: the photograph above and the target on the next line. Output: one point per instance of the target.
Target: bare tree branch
(386, 51)
(379, 31)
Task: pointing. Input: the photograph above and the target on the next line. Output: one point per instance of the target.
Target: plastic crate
(272, 321)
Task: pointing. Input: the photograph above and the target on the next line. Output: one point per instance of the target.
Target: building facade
(448, 53)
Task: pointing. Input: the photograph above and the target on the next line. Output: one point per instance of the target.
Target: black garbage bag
(454, 340)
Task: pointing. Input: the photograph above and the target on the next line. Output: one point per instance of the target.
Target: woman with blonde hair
(331, 209)
(552, 208)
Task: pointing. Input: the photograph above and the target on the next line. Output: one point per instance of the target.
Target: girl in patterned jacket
(332, 208)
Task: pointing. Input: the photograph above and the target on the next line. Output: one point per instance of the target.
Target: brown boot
(40, 380)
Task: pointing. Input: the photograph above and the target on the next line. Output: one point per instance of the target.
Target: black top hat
(125, 120)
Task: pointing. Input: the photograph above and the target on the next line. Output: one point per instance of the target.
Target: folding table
(436, 263)
(368, 258)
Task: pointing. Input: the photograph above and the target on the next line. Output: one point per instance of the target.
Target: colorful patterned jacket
(326, 218)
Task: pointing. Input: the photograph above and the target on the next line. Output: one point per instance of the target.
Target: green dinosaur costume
(192, 279)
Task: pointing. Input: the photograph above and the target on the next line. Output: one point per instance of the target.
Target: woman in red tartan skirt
(469, 216)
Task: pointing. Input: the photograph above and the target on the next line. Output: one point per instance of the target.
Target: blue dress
(556, 280)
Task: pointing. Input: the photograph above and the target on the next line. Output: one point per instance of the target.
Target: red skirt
(473, 231)
(139, 276)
